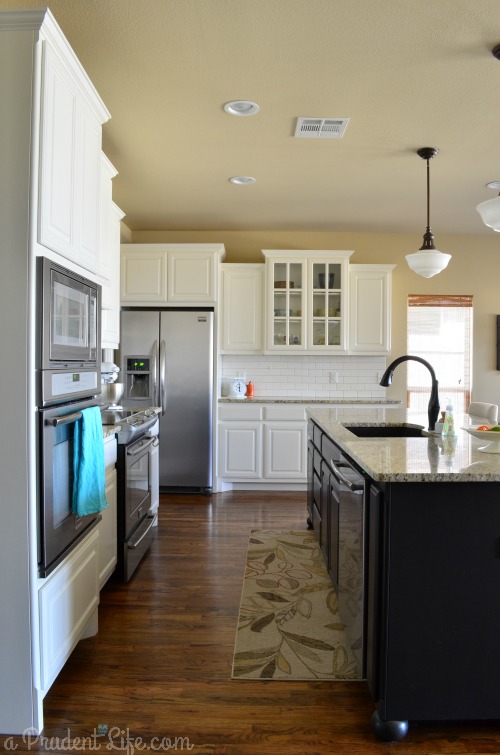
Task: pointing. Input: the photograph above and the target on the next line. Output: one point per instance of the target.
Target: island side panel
(440, 607)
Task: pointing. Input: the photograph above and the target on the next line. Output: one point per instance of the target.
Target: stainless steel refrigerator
(167, 360)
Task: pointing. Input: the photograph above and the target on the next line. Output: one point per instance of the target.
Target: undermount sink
(387, 431)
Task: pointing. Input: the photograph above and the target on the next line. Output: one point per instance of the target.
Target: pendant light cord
(428, 240)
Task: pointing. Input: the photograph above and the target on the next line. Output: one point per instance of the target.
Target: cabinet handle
(342, 478)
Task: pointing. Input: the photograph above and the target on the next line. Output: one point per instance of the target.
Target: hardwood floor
(160, 666)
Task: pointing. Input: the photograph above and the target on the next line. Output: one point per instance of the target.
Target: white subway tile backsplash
(306, 376)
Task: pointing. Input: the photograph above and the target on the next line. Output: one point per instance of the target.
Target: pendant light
(428, 261)
(490, 210)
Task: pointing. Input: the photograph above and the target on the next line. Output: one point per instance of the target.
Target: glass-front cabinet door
(327, 304)
(307, 300)
(287, 316)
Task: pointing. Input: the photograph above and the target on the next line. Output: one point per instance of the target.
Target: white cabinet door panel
(66, 602)
(143, 276)
(240, 449)
(58, 157)
(242, 308)
(89, 198)
(107, 530)
(370, 309)
(285, 450)
(191, 276)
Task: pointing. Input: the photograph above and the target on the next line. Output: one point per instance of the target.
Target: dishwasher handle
(354, 486)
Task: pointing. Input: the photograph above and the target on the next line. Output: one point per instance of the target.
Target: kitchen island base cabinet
(433, 607)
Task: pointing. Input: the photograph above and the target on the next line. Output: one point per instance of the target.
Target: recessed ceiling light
(242, 180)
(241, 107)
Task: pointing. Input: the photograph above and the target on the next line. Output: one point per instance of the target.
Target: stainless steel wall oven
(68, 381)
(60, 529)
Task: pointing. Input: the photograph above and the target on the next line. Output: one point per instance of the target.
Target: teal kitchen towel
(89, 492)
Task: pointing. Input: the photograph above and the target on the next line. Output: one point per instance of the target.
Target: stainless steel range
(137, 439)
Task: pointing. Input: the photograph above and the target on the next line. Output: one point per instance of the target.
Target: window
(440, 331)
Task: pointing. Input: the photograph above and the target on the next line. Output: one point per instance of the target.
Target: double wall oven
(68, 381)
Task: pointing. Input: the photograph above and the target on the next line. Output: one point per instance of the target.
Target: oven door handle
(64, 420)
(342, 478)
(134, 543)
(142, 447)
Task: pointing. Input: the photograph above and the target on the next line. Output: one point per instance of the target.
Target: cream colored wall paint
(474, 269)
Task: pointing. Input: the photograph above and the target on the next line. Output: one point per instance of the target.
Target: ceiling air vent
(321, 128)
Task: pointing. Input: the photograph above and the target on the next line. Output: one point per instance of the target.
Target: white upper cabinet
(153, 274)
(370, 299)
(307, 301)
(109, 259)
(71, 118)
(242, 308)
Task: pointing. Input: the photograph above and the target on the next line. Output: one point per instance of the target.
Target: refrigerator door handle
(154, 370)
(163, 376)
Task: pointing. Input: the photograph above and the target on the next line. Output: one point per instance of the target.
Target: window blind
(440, 331)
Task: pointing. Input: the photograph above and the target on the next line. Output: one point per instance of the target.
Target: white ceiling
(408, 74)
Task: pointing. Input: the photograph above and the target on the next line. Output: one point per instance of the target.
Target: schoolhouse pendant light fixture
(490, 210)
(428, 261)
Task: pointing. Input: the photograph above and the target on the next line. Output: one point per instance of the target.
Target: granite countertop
(308, 401)
(425, 459)
(108, 430)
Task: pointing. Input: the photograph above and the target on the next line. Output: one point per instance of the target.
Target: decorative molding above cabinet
(153, 274)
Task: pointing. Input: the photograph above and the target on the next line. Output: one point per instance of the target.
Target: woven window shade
(440, 331)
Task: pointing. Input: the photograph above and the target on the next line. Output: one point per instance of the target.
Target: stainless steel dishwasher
(347, 549)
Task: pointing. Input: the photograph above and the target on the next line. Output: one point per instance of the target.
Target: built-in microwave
(69, 334)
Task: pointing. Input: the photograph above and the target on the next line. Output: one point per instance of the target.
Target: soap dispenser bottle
(449, 421)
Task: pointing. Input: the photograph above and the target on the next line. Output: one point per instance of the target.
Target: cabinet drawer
(317, 462)
(238, 411)
(285, 412)
(317, 433)
(329, 450)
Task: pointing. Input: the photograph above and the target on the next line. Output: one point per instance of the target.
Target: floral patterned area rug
(289, 625)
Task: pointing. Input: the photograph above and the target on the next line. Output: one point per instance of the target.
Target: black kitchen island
(431, 561)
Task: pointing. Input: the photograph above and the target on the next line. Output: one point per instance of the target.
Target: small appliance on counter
(111, 391)
(238, 388)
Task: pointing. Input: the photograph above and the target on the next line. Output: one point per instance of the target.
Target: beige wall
(474, 269)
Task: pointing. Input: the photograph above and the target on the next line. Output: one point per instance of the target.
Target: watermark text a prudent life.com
(103, 738)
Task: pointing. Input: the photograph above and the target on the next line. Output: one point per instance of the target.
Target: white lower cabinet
(107, 525)
(67, 602)
(262, 444)
(285, 451)
(240, 449)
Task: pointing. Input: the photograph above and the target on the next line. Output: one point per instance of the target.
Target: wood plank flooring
(160, 666)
